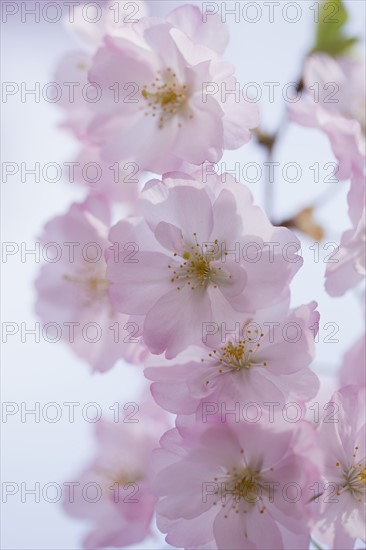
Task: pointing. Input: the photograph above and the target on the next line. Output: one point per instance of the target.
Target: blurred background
(41, 372)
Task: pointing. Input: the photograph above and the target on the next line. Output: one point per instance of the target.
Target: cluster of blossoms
(193, 284)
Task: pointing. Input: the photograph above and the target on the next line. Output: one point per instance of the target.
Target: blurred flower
(341, 509)
(347, 268)
(73, 290)
(116, 182)
(120, 502)
(107, 17)
(353, 370)
(334, 102)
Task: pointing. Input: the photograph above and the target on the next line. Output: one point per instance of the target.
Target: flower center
(199, 266)
(238, 356)
(244, 485)
(122, 477)
(165, 97)
(94, 286)
(113, 478)
(354, 478)
(362, 476)
(241, 489)
(195, 269)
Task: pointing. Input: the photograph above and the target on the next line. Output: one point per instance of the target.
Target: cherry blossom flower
(164, 99)
(335, 103)
(89, 24)
(340, 506)
(348, 266)
(73, 290)
(120, 500)
(353, 370)
(235, 485)
(188, 266)
(327, 386)
(78, 96)
(240, 364)
(117, 181)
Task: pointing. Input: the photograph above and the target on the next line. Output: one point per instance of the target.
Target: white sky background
(44, 372)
